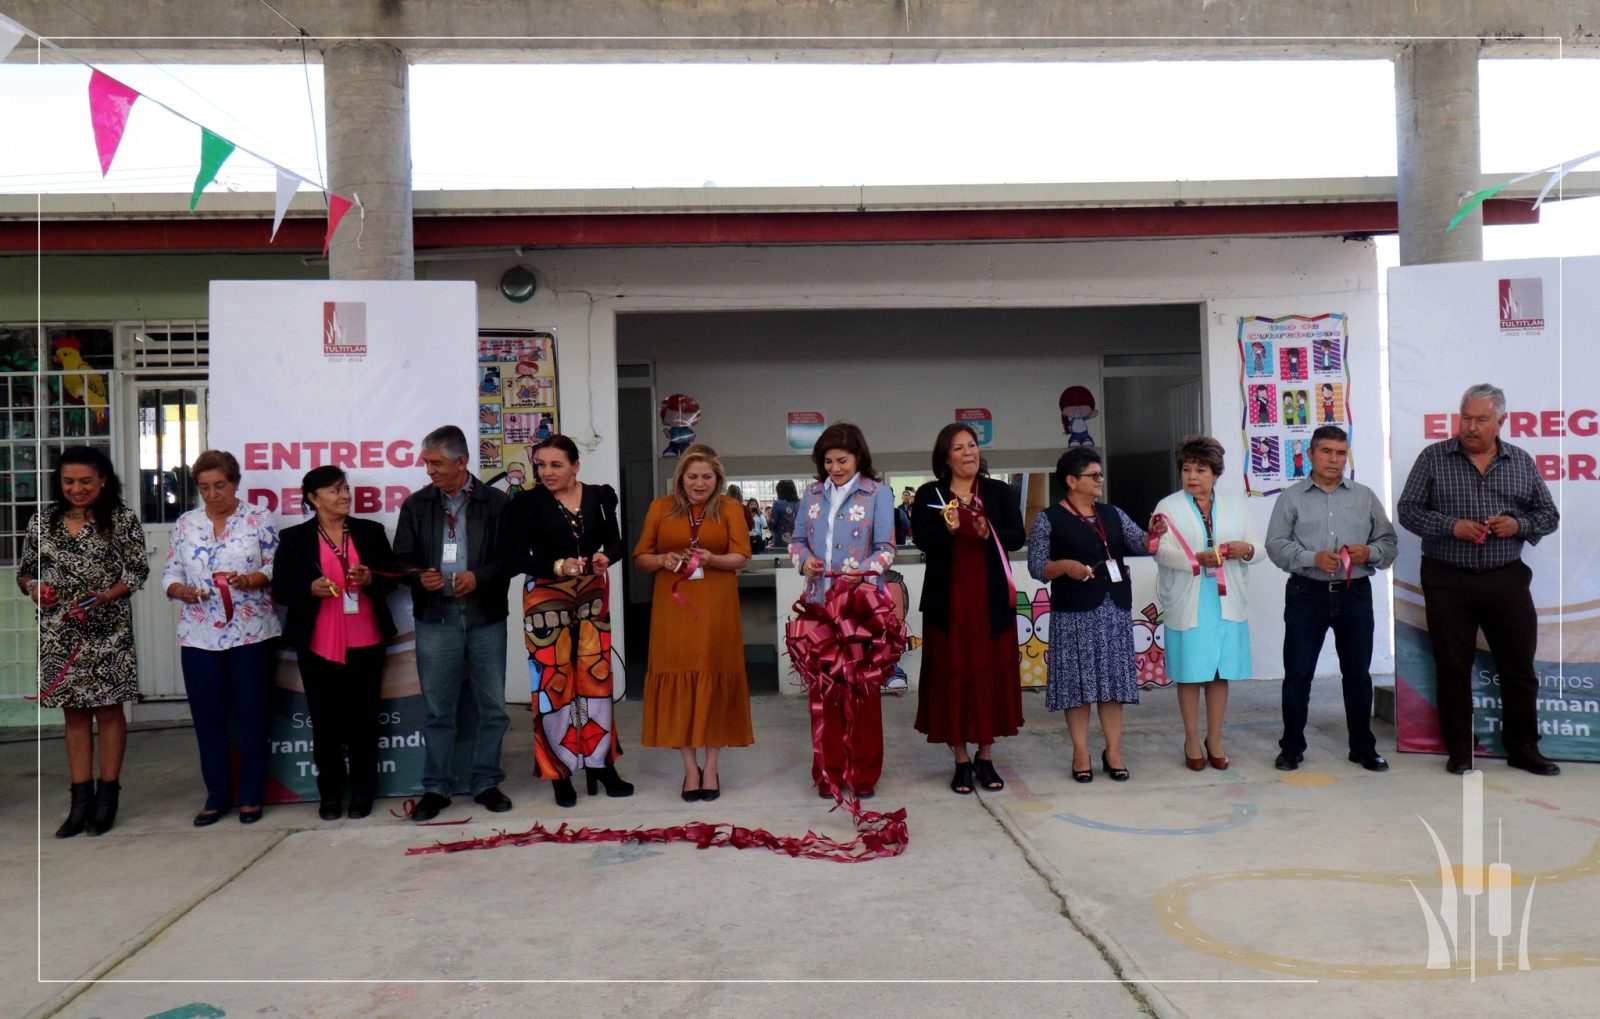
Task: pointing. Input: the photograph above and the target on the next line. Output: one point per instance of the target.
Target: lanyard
(1099, 529)
(341, 551)
(694, 526)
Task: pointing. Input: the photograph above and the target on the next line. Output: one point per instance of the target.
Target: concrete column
(369, 154)
(1436, 113)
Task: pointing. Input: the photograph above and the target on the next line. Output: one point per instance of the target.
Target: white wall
(583, 291)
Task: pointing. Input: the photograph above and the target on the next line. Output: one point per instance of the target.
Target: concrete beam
(868, 31)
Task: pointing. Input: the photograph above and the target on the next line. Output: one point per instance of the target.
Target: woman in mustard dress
(695, 692)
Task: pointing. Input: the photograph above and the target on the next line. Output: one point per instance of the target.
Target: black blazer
(539, 533)
(929, 534)
(417, 538)
(299, 563)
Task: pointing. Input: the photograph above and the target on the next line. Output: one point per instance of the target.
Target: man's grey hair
(1487, 391)
(448, 440)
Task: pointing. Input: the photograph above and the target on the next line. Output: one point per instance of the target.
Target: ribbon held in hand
(1152, 542)
(223, 589)
(78, 613)
(1345, 561)
(686, 569)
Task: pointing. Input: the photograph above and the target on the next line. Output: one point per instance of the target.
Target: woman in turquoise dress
(1210, 541)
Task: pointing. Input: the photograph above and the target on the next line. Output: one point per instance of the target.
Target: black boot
(105, 807)
(78, 816)
(566, 796)
(609, 778)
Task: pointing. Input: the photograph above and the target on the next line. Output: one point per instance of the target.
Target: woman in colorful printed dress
(330, 577)
(696, 693)
(219, 566)
(1080, 548)
(845, 524)
(82, 558)
(1207, 613)
(566, 537)
(970, 690)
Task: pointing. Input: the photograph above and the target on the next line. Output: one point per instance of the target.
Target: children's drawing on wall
(1077, 407)
(1293, 377)
(1259, 361)
(1263, 404)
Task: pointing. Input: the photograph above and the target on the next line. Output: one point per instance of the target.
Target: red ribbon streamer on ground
(848, 642)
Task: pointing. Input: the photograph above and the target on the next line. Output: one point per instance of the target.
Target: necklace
(79, 515)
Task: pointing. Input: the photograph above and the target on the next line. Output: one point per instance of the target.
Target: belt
(1331, 586)
(1478, 570)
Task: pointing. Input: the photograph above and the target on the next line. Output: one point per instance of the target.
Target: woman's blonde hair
(698, 454)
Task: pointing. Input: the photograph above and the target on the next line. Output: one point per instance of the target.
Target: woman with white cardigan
(1202, 558)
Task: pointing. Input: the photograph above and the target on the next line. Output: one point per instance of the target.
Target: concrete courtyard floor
(1224, 893)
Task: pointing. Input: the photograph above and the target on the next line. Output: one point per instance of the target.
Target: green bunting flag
(214, 151)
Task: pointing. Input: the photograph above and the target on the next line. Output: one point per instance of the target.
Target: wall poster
(517, 401)
(1294, 376)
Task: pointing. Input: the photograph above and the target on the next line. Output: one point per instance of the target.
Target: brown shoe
(1219, 763)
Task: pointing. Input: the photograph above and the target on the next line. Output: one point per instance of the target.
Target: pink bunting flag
(337, 207)
(110, 102)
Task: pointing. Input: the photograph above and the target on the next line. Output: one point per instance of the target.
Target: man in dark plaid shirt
(1475, 501)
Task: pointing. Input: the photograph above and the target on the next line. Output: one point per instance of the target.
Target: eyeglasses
(1096, 476)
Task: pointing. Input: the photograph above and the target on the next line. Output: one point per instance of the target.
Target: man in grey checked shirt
(1475, 501)
(1311, 522)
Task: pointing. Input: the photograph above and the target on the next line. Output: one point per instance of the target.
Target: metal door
(166, 432)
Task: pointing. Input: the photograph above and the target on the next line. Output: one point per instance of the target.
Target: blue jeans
(451, 654)
(1310, 609)
(216, 680)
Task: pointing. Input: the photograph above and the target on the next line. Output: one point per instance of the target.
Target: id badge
(698, 574)
(352, 601)
(448, 556)
(1114, 570)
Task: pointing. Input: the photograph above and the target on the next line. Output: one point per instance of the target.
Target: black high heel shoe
(105, 806)
(992, 782)
(707, 795)
(1084, 776)
(608, 777)
(693, 795)
(963, 783)
(82, 811)
(1117, 774)
(566, 796)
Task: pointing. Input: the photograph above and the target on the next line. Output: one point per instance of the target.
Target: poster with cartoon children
(1293, 379)
(517, 401)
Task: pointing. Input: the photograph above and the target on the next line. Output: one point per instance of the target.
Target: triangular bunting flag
(110, 102)
(288, 184)
(10, 34)
(337, 207)
(214, 151)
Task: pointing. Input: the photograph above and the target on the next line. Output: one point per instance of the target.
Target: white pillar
(366, 85)
(1436, 113)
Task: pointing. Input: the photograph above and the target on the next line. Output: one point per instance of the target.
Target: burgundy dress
(970, 689)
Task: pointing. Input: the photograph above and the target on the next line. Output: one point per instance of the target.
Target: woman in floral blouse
(220, 568)
(845, 524)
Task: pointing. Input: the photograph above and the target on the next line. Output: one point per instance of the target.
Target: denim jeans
(1309, 611)
(216, 681)
(450, 655)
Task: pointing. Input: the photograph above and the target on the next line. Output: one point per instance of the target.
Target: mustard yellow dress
(696, 693)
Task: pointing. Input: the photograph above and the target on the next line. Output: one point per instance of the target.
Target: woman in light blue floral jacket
(845, 524)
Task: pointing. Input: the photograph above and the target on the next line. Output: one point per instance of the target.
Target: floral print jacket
(863, 532)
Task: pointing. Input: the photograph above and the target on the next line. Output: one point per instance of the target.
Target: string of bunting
(112, 101)
(1556, 172)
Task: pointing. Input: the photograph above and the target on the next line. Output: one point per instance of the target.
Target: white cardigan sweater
(1180, 588)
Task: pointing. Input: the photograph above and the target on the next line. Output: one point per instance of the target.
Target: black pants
(1460, 602)
(344, 718)
(1310, 609)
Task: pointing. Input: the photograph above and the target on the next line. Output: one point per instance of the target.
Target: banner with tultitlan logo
(352, 374)
(1527, 327)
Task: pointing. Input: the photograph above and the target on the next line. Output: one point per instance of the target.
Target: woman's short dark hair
(216, 460)
(561, 444)
(110, 498)
(319, 477)
(1074, 461)
(1202, 450)
(786, 490)
(941, 450)
(846, 436)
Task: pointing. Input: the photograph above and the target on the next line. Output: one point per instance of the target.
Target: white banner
(354, 374)
(1527, 327)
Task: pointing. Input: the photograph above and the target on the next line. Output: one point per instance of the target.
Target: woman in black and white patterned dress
(82, 558)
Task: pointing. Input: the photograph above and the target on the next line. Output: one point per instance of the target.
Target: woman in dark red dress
(970, 690)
